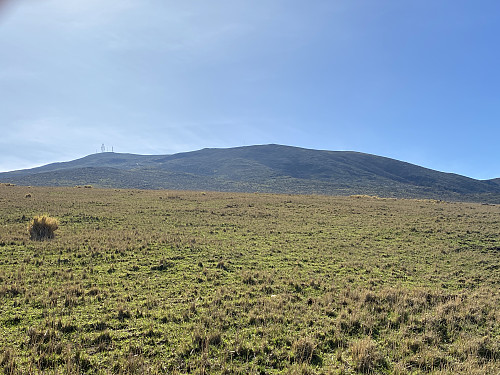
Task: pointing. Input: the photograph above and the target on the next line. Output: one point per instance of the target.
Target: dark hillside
(263, 168)
(101, 160)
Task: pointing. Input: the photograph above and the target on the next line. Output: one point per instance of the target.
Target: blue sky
(417, 81)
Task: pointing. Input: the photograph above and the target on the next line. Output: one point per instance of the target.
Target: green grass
(212, 283)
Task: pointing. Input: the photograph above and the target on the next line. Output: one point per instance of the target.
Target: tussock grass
(42, 227)
(366, 356)
(303, 350)
(7, 361)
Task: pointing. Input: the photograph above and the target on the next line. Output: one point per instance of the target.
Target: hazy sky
(418, 80)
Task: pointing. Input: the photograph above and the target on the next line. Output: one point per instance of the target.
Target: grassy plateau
(175, 282)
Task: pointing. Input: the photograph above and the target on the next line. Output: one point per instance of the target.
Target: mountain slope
(263, 168)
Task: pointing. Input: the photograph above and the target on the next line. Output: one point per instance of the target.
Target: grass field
(220, 283)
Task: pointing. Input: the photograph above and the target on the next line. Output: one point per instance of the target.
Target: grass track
(191, 282)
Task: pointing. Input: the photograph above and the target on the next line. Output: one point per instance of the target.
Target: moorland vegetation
(174, 282)
(263, 168)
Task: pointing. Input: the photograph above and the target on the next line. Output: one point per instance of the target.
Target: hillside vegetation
(175, 282)
(265, 168)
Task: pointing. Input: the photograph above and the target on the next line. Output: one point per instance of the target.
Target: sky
(414, 80)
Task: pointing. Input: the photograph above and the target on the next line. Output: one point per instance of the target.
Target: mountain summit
(262, 168)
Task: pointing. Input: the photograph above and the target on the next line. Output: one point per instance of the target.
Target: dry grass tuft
(42, 227)
(7, 361)
(303, 350)
(366, 356)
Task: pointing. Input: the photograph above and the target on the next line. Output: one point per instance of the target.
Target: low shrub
(42, 228)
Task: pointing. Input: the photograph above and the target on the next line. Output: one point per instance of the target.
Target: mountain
(262, 168)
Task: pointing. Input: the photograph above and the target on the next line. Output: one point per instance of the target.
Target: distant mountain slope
(263, 168)
(102, 160)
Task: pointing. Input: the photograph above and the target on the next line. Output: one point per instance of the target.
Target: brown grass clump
(42, 227)
(7, 362)
(366, 356)
(303, 350)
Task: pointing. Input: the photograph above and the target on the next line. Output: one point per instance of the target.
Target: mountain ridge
(262, 168)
